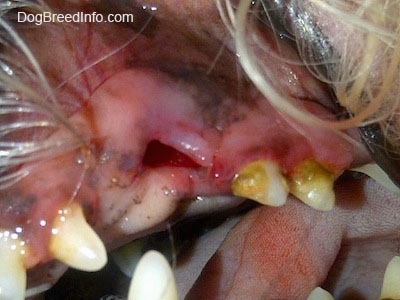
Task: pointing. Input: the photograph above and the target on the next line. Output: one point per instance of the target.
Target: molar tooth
(153, 279)
(12, 269)
(391, 280)
(320, 294)
(313, 185)
(75, 243)
(261, 181)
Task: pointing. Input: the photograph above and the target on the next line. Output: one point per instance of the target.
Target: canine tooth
(320, 294)
(313, 185)
(261, 181)
(12, 270)
(75, 243)
(153, 279)
(391, 280)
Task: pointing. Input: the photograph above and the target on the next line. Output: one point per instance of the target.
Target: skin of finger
(272, 253)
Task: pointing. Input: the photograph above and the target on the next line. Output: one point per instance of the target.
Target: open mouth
(113, 132)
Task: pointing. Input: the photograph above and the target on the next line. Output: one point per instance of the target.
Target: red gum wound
(135, 107)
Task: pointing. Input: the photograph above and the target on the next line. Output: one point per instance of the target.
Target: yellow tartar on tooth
(261, 181)
(313, 185)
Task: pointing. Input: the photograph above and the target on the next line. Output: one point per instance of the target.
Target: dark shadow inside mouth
(383, 151)
(351, 294)
(111, 283)
(158, 154)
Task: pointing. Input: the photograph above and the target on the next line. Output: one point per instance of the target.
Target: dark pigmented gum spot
(127, 162)
(217, 108)
(15, 205)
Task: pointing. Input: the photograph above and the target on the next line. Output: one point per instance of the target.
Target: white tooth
(320, 294)
(391, 280)
(313, 185)
(153, 279)
(12, 270)
(261, 181)
(75, 243)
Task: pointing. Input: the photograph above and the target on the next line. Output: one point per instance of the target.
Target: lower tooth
(75, 243)
(153, 279)
(261, 181)
(320, 294)
(12, 270)
(313, 185)
(391, 280)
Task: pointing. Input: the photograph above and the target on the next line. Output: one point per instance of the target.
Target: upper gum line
(227, 176)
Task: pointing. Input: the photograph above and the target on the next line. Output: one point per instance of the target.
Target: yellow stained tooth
(75, 243)
(261, 181)
(320, 294)
(313, 185)
(391, 280)
(153, 279)
(12, 270)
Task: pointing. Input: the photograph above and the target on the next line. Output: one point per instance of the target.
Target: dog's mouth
(137, 117)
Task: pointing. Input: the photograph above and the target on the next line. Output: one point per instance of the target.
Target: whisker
(7, 180)
(107, 55)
